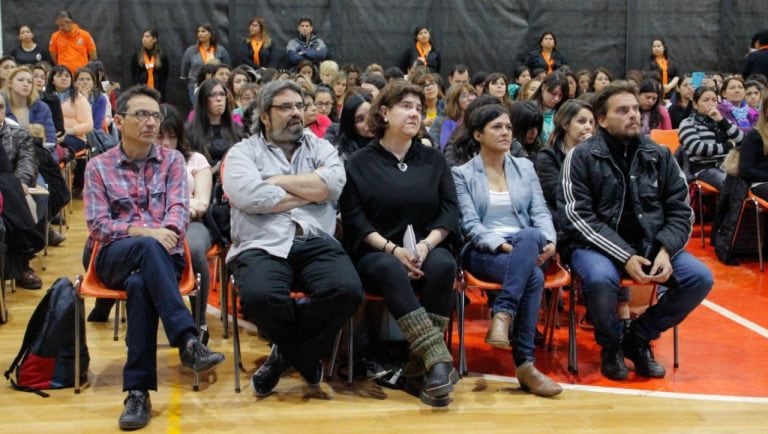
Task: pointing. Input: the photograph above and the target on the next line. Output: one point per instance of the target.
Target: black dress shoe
(29, 280)
(137, 411)
(55, 238)
(199, 358)
(267, 376)
(638, 350)
(612, 362)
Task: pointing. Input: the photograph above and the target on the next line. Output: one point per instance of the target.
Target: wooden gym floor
(721, 385)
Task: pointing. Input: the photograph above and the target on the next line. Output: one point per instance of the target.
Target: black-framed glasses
(300, 106)
(144, 115)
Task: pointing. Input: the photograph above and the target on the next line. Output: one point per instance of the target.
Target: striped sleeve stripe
(584, 228)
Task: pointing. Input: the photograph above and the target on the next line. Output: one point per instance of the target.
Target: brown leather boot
(532, 380)
(498, 332)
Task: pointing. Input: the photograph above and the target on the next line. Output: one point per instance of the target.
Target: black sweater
(378, 197)
(753, 163)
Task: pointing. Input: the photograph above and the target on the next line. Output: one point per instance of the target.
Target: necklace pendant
(402, 166)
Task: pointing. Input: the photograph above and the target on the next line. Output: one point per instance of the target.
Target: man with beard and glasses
(282, 183)
(624, 209)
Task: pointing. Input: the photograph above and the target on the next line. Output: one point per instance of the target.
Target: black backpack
(46, 359)
(217, 217)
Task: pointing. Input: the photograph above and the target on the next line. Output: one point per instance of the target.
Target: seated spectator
(376, 212)
(353, 129)
(574, 123)
(600, 78)
(23, 238)
(327, 71)
(282, 218)
(552, 93)
(460, 147)
(372, 83)
(707, 136)
(753, 94)
(682, 105)
(653, 114)
(732, 105)
(23, 103)
(504, 215)
(212, 131)
(522, 76)
(313, 120)
(527, 124)
(496, 85)
(142, 248)
(325, 101)
(456, 103)
(639, 229)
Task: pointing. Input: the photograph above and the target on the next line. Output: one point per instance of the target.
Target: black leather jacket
(591, 197)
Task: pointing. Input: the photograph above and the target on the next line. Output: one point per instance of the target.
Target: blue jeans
(142, 267)
(689, 284)
(522, 282)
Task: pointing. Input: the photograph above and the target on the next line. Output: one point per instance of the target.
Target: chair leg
(701, 216)
(675, 335)
(198, 320)
(461, 311)
(334, 353)
(759, 233)
(350, 351)
(236, 335)
(78, 307)
(550, 322)
(573, 363)
(224, 299)
(118, 309)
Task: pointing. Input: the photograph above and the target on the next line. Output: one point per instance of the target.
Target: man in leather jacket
(624, 209)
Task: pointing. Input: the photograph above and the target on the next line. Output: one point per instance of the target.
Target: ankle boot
(532, 380)
(498, 332)
(612, 362)
(426, 343)
(441, 323)
(638, 350)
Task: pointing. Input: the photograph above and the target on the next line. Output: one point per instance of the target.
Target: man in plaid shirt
(137, 207)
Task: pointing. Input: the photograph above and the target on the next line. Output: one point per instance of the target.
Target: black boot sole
(435, 401)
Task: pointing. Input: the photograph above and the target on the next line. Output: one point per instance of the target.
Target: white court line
(636, 392)
(762, 331)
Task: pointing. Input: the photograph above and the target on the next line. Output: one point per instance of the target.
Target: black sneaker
(199, 358)
(612, 362)
(638, 350)
(313, 373)
(268, 375)
(137, 411)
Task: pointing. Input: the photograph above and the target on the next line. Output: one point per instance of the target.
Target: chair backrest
(666, 138)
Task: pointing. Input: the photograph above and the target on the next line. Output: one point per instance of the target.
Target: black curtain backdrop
(705, 35)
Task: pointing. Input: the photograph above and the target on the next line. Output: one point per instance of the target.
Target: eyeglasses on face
(300, 106)
(144, 115)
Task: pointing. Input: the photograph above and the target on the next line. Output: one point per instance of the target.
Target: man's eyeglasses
(144, 115)
(300, 106)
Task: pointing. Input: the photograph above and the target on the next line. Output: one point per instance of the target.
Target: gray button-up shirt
(248, 165)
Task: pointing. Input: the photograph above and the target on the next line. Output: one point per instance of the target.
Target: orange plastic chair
(760, 205)
(666, 138)
(702, 188)
(573, 363)
(555, 277)
(91, 286)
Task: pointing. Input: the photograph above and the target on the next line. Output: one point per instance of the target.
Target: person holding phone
(624, 211)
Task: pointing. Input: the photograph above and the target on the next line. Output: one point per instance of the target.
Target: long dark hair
(525, 116)
(552, 81)
(156, 51)
(50, 87)
(650, 85)
(173, 122)
(348, 140)
(209, 27)
(563, 118)
(200, 129)
(663, 44)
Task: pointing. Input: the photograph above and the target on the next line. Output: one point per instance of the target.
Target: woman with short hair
(394, 185)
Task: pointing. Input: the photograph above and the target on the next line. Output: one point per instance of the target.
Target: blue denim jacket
(529, 206)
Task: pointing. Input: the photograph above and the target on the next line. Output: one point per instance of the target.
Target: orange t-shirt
(71, 48)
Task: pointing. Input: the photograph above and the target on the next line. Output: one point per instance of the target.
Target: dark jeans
(522, 282)
(383, 274)
(713, 176)
(142, 267)
(317, 266)
(199, 241)
(690, 283)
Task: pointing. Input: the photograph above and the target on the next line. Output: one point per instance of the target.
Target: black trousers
(317, 266)
(383, 274)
